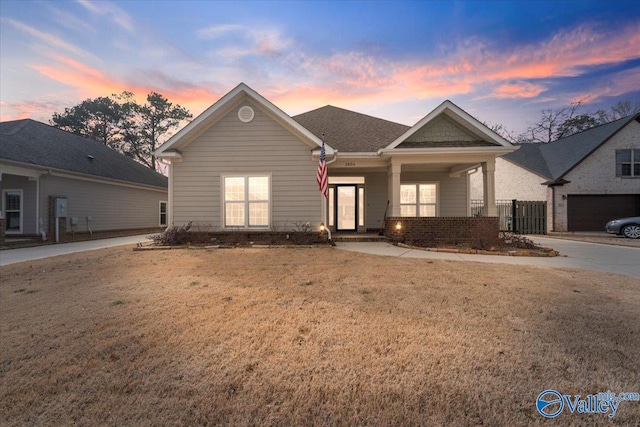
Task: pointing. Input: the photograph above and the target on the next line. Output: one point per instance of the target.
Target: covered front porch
(364, 193)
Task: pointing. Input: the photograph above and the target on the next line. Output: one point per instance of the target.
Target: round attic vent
(246, 114)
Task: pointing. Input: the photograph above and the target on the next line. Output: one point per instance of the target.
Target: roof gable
(223, 106)
(34, 143)
(555, 159)
(446, 125)
(348, 131)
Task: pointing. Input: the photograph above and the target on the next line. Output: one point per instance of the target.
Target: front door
(346, 205)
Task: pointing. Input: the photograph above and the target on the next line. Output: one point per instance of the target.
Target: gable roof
(348, 131)
(34, 143)
(485, 136)
(555, 159)
(211, 115)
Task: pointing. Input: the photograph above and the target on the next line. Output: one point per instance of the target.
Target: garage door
(591, 213)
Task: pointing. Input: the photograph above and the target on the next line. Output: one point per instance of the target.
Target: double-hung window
(419, 200)
(163, 214)
(628, 163)
(246, 201)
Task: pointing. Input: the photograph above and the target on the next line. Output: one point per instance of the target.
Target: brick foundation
(478, 232)
(2, 229)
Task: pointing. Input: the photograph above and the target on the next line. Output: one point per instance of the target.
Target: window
(246, 201)
(418, 200)
(163, 214)
(628, 163)
(12, 207)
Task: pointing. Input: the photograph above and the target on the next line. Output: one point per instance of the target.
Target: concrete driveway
(10, 256)
(574, 254)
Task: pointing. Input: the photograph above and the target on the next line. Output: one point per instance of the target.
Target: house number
(349, 164)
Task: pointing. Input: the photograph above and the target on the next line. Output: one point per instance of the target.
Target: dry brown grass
(307, 337)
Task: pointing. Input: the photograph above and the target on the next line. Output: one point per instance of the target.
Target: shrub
(173, 236)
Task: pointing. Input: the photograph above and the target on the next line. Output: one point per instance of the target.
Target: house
(586, 179)
(244, 164)
(102, 190)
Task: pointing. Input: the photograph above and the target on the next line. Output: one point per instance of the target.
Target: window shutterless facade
(247, 201)
(12, 210)
(163, 214)
(628, 163)
(419, 200)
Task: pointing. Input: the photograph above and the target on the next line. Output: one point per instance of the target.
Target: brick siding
(479, 232)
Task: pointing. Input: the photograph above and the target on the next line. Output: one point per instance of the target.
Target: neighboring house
(586, 179)
(104, 190)
(245, 164)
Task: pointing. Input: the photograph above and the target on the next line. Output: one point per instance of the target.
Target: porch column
(393, 173)
(489, 187)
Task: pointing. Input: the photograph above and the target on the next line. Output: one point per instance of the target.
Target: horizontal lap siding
(260, 147)
(452, 191)
(111, 207)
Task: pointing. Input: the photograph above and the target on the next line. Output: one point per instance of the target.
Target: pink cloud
(518, 90)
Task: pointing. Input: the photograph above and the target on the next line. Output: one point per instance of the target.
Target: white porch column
(393, 173)
(489, 187)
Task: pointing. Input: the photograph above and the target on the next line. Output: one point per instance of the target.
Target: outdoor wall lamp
(398, 226)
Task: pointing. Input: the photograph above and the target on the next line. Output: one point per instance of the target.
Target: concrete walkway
(10, 256)
(574, 254)
(579, 255)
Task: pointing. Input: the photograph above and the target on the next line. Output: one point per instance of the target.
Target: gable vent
(246, 114)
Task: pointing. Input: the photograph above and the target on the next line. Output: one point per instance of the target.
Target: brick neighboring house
(586, 179)
(104, 190)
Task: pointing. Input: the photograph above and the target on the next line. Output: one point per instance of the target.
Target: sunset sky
(501, 61)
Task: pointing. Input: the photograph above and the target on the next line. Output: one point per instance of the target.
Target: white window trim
(223, 202)
(635, 160)
(417, 203)
(166, 213)
(4, 209)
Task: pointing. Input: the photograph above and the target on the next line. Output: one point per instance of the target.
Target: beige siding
(14, 182)
(232, 147)
(452, 191)
(442, 129)
(112, 207)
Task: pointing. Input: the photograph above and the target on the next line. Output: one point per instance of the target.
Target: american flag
(322, 172)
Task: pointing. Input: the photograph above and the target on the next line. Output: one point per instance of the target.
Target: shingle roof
(555, 159)
(31, 142)
(348, 131)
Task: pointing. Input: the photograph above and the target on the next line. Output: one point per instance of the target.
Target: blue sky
(500, 61)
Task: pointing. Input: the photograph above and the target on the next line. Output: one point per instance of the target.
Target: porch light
(398, 226)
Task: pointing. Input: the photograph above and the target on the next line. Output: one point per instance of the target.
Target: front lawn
(293, 336)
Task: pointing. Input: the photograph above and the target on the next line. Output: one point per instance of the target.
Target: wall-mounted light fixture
(398, 226)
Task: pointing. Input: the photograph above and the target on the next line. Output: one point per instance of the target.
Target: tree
(566, 121)
(619, 110)
(147, 124)
(121, 123)
(97, 118)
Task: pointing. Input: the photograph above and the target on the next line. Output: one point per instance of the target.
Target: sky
(502, 62)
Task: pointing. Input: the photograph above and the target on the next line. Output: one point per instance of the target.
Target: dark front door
(346, 205)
